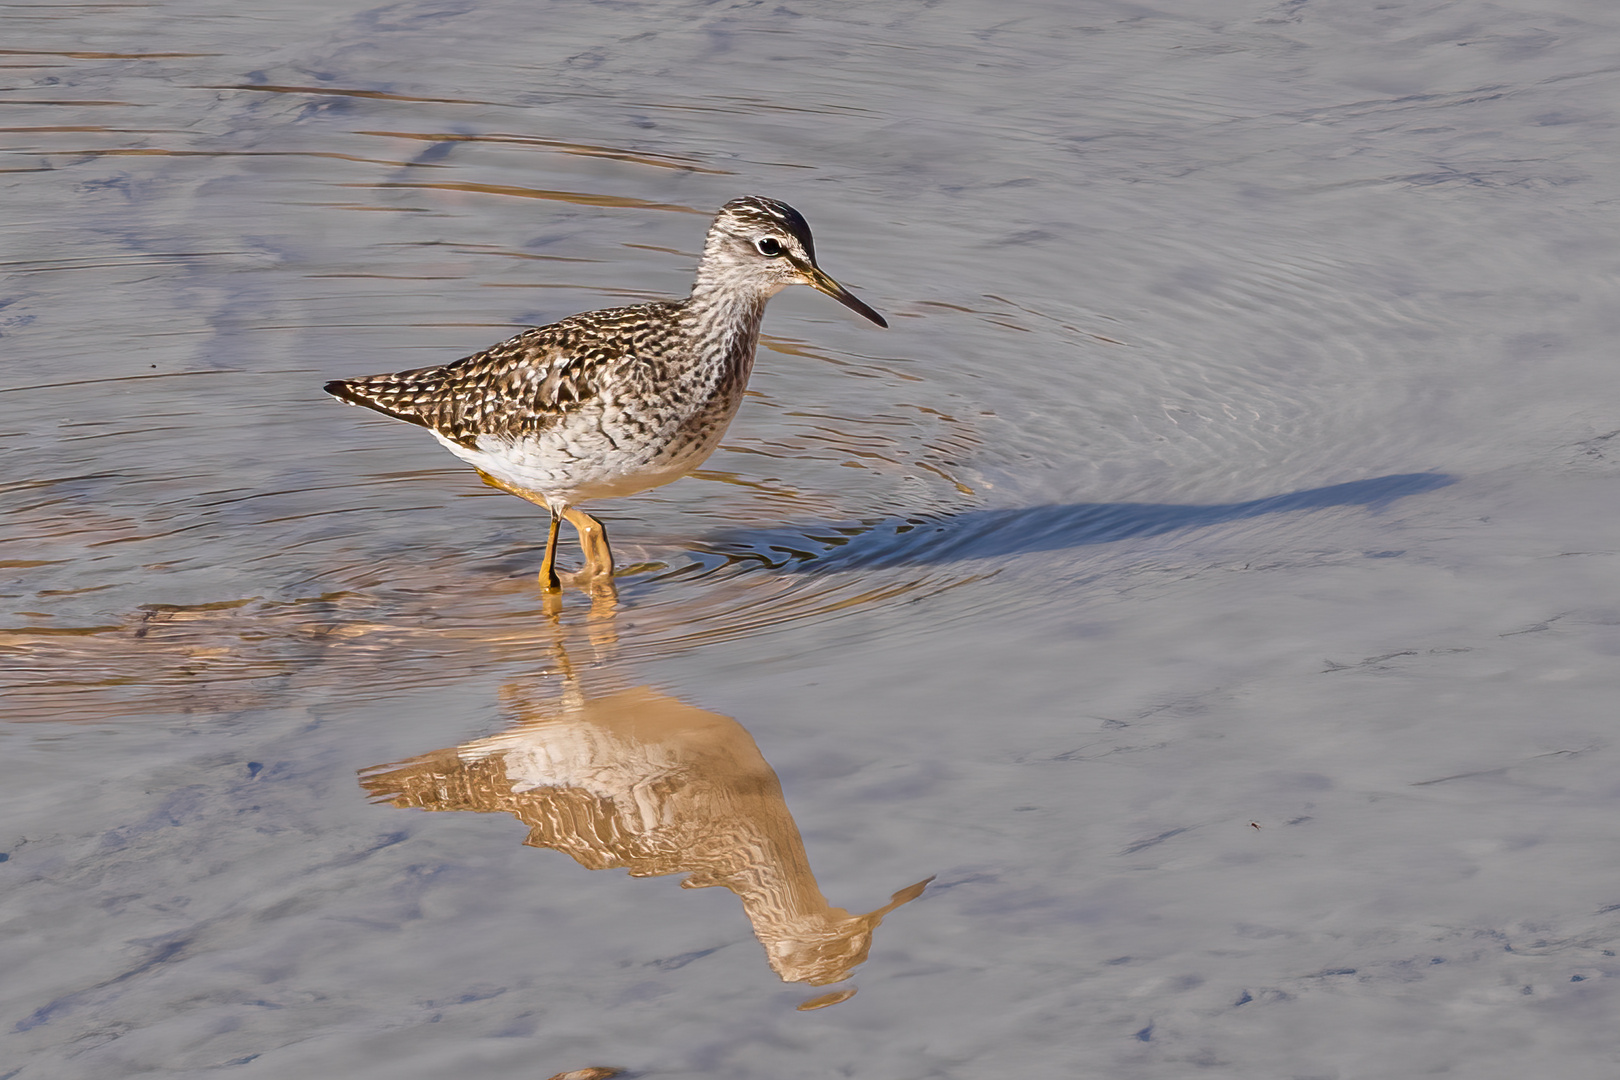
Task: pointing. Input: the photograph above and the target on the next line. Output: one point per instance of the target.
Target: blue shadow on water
(985, 534)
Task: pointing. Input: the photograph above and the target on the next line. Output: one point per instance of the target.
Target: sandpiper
(616, 401)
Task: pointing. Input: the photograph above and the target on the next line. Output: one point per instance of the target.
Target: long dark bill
(820, 280)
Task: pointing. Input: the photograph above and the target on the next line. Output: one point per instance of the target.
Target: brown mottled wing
(520, 387)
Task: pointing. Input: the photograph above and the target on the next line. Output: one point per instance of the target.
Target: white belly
(569, 468)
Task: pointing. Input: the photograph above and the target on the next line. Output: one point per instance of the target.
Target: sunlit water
(1209, 580)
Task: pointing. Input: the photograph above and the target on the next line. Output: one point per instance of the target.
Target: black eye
(768, 246)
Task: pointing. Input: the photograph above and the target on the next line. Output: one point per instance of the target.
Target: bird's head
(765, 245)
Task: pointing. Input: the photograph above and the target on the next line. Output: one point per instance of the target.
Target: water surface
(1207, 581)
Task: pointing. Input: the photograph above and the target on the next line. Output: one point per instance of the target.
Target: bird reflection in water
(638, 780)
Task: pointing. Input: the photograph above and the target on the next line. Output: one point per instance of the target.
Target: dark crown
(756, 211)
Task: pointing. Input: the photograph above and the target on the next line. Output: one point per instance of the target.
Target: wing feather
(520, 387)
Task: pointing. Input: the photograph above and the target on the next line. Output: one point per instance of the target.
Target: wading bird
(616, 401)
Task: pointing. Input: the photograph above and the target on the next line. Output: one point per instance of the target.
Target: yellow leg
(548, 565)
(532, 496)
(593, 539)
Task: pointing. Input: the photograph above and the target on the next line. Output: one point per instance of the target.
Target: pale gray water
(1210, 577)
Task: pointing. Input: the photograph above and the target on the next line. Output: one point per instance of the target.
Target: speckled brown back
(526, 384)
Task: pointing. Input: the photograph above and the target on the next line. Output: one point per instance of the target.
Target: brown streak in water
(390, 277)
(819, 109)
(76, 592)
(766, 486)
(637, 780)
(192, 611)
(945, 476)
(744, 106)
(145, 258)
(665, 250)
(582, 198)
(362, 206)
(678, 107)
(45, 129)
(508, 253)
(54, 101)
(580, 149)
(951, 307)
(21, 634)
(624, 294)
(788, 453)
(141, 151)
(794, 347)
(80, 55)
(52, 481)
(138, 378)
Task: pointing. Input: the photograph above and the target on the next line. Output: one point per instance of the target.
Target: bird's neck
(724, 312)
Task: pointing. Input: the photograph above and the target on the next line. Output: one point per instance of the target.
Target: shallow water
(1208, 580)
